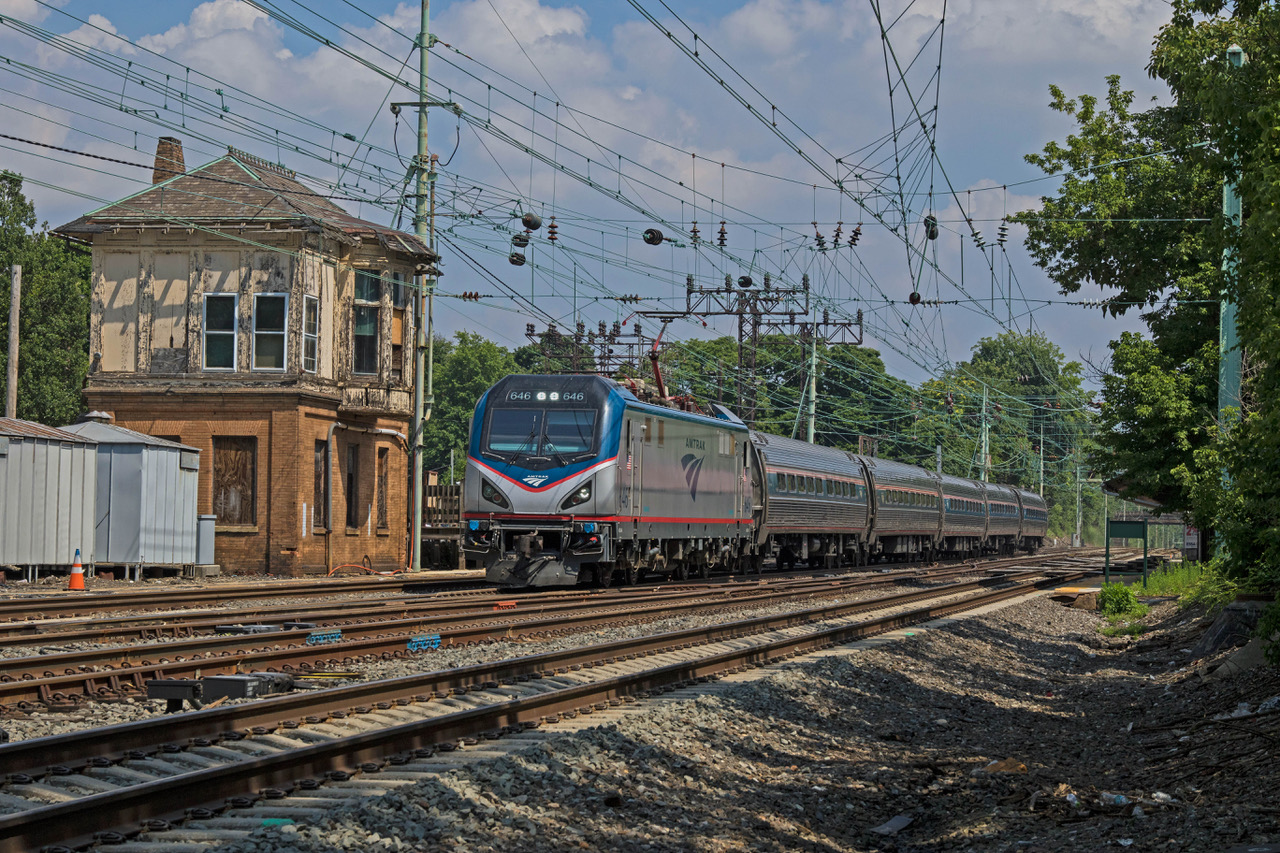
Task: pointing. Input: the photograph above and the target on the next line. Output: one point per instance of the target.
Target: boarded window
(234, 479)
(320, 493)
(648, 430)
(120, 311)
(353, 485)
(384, 464)
(169, 330)
(269, 313)
(310, 333)
(662, 432)
(219, 332)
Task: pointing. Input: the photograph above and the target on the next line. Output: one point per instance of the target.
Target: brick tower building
(236, 310)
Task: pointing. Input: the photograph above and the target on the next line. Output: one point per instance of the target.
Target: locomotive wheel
(633, 574)
(682, 570)
(704, 571)
(604, 576)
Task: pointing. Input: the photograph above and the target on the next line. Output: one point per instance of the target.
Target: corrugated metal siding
(149, 514)
(893, 519)
(47, 496)
(957, 522)
(1003, 525)
(146, 501)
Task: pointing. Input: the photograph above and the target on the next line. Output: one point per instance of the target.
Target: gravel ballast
(1019, 730)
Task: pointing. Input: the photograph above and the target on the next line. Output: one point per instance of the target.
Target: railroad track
(64, 680)
(250, 756)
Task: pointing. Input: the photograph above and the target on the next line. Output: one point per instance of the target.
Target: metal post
(1079, 508)
(1041, 460)
(985, 448)
(1228, 338)
(813, 378)
(1106, 566)
(1146, 522)
(15, 309)
(421, 362)
(939, 450)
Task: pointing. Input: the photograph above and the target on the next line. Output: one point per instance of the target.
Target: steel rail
(62, 604)
(115, 741)
(74, 823)
(35, 680)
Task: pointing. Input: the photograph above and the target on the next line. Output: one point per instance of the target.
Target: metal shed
(48, 481)
(146, 497)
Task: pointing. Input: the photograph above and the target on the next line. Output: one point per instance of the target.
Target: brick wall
(283, 538)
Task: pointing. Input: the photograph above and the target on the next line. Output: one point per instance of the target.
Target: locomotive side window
(648, 430)
(791, 482)
(662, 432)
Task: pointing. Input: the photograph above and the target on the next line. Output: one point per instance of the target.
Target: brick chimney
(168, 159)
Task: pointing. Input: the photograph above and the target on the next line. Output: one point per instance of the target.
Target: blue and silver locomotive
(574, 479)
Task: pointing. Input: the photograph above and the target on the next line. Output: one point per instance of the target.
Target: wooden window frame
(310, 339)
(205, 333)
(282, 333)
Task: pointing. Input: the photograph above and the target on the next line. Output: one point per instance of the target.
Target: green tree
(465, 368)
(1132, 216)
(1240, 109)
(53, 354)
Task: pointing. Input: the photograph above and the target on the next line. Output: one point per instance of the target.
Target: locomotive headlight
(580, 496)
(490, 492)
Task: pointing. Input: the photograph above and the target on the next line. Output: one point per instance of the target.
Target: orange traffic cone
(77, 573)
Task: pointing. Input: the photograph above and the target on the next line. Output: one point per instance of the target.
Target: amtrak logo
(536, 480)
(692, 466)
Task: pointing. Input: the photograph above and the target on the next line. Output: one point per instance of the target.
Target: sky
(615, 116)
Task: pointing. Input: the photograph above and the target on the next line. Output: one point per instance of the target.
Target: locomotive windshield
(558, 436)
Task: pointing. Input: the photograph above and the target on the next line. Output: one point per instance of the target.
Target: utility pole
(422, 400)
(986, 458)
(1041, 460)
(1079, 538)
(15, 309)
(813, 379)
(1228, 338)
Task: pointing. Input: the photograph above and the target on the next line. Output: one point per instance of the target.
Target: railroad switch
(178, 691)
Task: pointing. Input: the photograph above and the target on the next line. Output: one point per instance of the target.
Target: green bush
(1213, 588)
(1116, 599)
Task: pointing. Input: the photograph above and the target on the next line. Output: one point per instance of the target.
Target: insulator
(744, 281)
(859, 316)
(914, 298)
(553, 232)
(723, 237)
(835, 240)
(1002, 233)
(826, 316)
(977, 240)
(804, 282)
(821, 241)
(688, 282)
(855, 234)
(728, 283)
(529, 329)
(693, 232)
(520, 239)
(531, 221)
(768, 281)
(931, 227)
(652, 236)
(516, 259)
(617, 328)
(601, 329)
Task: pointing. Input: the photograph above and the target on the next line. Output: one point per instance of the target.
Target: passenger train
(575, 480)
